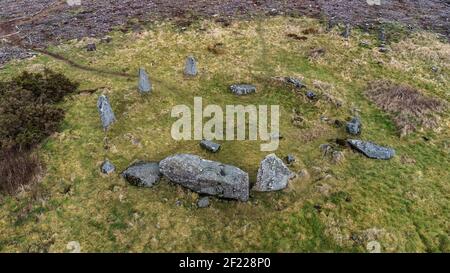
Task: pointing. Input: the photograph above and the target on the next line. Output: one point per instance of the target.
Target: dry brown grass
(17, 169)
(409, 108)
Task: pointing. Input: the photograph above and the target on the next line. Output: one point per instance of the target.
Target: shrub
(28, 114)
(408, 108)
(49, 87)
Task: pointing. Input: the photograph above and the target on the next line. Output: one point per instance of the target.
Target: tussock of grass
(409, 108)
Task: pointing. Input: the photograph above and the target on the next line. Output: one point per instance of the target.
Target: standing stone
(191, 67)
(372, 150)
(145, 86)
(107, 167)
(354, 126)
(242, 89)
(106, 112)
(273, 175)
(206, 177)
(142, 174)
(210, 146)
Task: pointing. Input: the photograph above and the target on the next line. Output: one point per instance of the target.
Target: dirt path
(38, 23)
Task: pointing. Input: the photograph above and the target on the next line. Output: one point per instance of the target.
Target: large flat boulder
(372, 150)
(206, 177)
(273, 175)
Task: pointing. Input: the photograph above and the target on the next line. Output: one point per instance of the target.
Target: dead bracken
(409, 109)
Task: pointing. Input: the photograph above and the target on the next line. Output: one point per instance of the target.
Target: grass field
(402, 203)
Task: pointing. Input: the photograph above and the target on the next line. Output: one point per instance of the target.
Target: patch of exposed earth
(38, 23)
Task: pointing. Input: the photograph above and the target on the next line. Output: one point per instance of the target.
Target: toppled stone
(107, 167)
(145, 85)
(242, 89)
(106, 113)
(191, 67)
(372, 150)
(354, 126)
(210, 146)
(142, 174)
(294, 81)
(203, 202)
(273, 175)
(91, 47)
(290, 159)
(206, 177)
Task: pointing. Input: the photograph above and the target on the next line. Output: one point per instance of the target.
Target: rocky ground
(38, 23)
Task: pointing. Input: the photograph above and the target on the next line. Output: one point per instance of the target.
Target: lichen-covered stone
(206, 177)
(142, 174)
(273, 175)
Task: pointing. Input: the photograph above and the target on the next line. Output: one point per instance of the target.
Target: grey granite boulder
(191, 67)
(273, 175)
(107, 167)
(210, 146)
(206, 177)
(372, 150)
(145, 86)
(142, 174)
(242, 89)
(106, 113)
(354, 126)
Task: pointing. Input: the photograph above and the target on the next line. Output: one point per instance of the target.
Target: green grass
(74, 202)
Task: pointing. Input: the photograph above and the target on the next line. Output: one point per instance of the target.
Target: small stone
(372, 150)
(290, 159)
(347, 31)
(435, 69)
(365, 44)
(383, 49)
(179, 203)
(325, 148)
(294, 81)
(311, 95)
(273, 175)
(191, 67)
(91, 47)
(107, 167)
(106, 39)
(354, 126)
(142, 174)
(106, 113)
(145, 85)
(276, 135)
(242, 89)
(203, 202)
(338, 157)
(210, 146)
